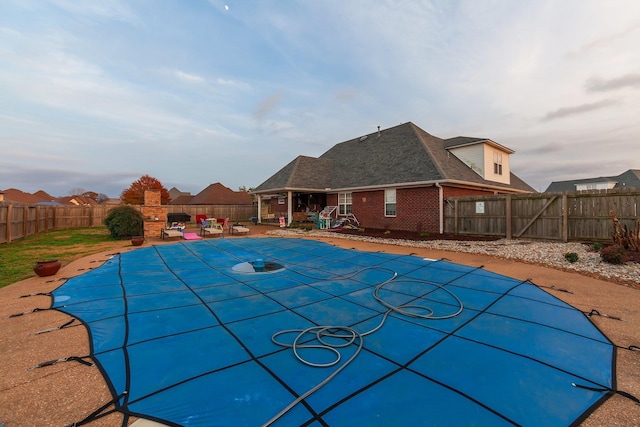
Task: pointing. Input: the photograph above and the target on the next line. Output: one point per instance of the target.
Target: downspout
(259, 208)
(440, 207)
(289, 208)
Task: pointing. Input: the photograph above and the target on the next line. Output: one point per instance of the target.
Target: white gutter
(397, 185)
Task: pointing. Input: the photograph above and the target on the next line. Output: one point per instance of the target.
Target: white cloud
(189, 78)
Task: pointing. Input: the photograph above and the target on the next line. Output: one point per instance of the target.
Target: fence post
(25, 221)
(565, 218)
(9, 222)
(507, 214)
(455, 216)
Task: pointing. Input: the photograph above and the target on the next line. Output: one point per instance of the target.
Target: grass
(18, 257)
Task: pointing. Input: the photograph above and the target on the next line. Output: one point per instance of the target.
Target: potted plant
(47, 267)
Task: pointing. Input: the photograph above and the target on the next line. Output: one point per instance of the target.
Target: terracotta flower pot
(47, 268)
(137, 240)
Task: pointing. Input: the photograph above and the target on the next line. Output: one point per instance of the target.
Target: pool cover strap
(620, 392)
(99, 413)
(46, 294)
(64, 359)
(57, 328)
(26, 312)
(595, 312)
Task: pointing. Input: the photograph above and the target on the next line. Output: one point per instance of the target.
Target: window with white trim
(344, 203)
(497, 163)
(390, 202)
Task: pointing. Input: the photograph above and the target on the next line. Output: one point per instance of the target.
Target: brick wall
(155, 215)
(417, 209)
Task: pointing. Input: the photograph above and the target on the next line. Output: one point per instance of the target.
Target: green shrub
(571, 257)
(596, 247)
(614, 254)
(124, 222)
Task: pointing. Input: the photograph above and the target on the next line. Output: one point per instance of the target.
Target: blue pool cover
(187, 334)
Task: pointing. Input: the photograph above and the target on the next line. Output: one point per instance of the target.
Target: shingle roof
(18, 196)
(303, 172)
(181, 200)
(628, 179)
(218, 194)
(403, 154)
(461, 140)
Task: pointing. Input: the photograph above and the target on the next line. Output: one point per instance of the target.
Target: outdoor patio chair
(211, 227)
(171, 232)
(237, 228)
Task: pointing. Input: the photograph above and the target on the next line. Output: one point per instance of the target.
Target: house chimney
(378, 130)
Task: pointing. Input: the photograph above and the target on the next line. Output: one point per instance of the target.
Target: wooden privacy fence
(18, 220)
(576, 216)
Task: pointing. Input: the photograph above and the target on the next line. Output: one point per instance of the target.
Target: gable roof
(401, 155)
(18, 196)
(463, 141)
(627, 179)
(174, 193)
(218, 194)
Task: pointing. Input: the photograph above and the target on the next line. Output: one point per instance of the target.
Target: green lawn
(18, 257)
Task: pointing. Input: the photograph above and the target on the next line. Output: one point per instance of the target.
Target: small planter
(46, 268)
(137, 240)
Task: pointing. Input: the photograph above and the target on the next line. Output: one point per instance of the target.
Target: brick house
(396, 179)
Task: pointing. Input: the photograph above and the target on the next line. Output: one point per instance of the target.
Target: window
(497, 163)
(344, 203)
(390, 202)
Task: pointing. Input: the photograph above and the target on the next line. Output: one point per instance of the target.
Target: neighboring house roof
(217, 194)
(401, 155)
(77, 200)
(18, 196)
(181, 200)
(628, 179)
(174, 193)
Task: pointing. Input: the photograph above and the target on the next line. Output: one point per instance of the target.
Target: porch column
(289, 207)
(259, 208)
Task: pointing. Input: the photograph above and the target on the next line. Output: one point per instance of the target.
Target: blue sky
(95, 94)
